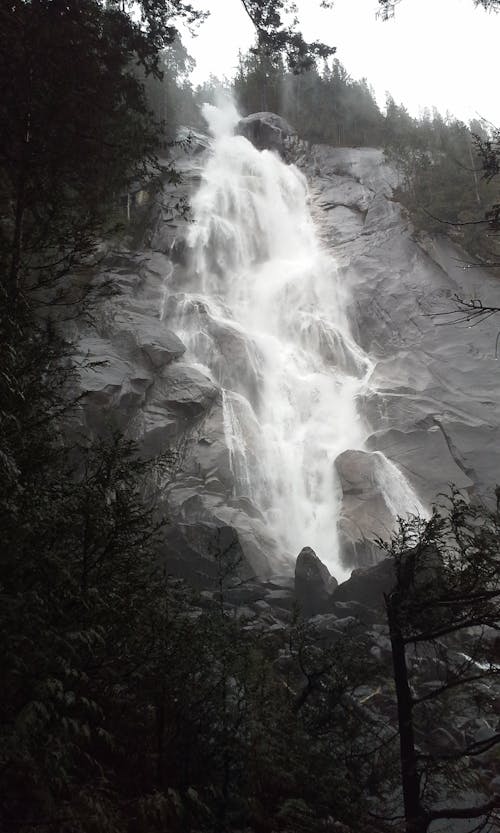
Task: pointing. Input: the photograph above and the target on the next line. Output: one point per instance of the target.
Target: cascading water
(267, 321)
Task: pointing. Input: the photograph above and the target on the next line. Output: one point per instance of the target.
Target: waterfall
(265, 317)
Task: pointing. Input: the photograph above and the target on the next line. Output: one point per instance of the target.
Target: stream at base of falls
(265, 317)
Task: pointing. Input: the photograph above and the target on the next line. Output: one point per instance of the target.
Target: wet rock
(342, 224)
(425, 457)
(238, 363)
(147, 339)
(191, 552)
(267, 131)
(367, 585)
(184, 389)
(334, 346)
(206, 454)
(180, 396)
(281, 599)
(114, 387)
(192, 142)
(327, 625)
(189, 503)
(278, 582)
(365, 514)
(244, 594)
(314, 584)
(161, 346)
(346, 192)
(363, 614)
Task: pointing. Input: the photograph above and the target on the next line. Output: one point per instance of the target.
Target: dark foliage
(445, 184)
(388, 7)
(277, 36)
(328, 105)
(443, 616)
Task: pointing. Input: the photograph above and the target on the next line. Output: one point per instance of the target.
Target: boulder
(422, 568)
(161, 346)
(367, 585)
(365, 513)
(184, 390)
(146, 339)
(191, 550)
(314, 584)
(179, 398)
(267, 131)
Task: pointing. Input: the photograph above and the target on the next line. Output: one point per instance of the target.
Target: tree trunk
(160, 736)
(415, 816)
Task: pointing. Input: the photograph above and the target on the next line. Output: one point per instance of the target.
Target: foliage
(277, 36)
(69, 139)
(387, 7)
(441, 182)
(443, 615)
(329, 105)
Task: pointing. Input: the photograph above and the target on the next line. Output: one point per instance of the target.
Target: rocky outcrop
(267, 131)
(367, 585)
(314, 585)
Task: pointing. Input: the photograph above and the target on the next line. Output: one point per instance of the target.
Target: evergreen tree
(443, 611)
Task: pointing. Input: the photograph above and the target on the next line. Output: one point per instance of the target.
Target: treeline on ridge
(446, 181)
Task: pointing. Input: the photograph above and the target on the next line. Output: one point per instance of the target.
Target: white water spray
(268, 322)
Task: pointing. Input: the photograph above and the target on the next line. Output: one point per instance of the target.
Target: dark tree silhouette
(444, 615)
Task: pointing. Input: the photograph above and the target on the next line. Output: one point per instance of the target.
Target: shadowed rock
(267, 131)
(367, 585)
(314, 584)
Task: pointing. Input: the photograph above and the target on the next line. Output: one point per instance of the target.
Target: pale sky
(442, 53)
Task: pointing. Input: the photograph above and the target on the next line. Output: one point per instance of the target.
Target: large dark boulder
(191, 551)
(367, 585)
(314, 584)
(421, 569)
(267, 131)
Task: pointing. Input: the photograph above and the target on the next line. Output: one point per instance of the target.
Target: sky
(441, 53)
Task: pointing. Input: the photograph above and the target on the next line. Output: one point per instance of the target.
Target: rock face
(266, 131)
(313, 583)
(431, 404)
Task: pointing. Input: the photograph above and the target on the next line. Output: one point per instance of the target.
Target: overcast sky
(442, 53)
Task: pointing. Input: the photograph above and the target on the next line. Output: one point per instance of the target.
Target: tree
(326, 101)
(69, 140)
(441, 183)
(387, 7)
(276, 36)
(443, 614)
